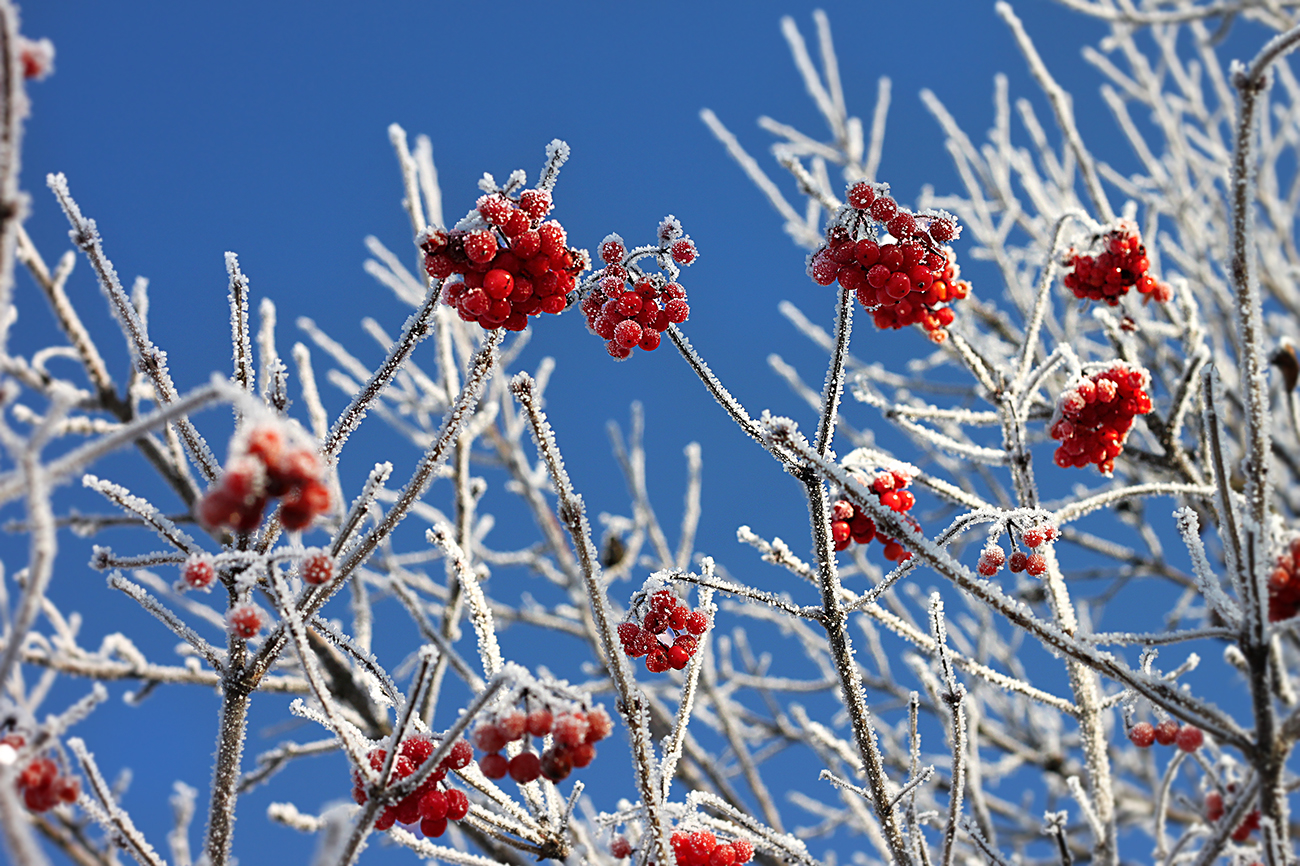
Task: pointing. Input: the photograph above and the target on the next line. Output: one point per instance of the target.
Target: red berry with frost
(1167, 732)
(1036, 564)
(1189, 738)
(620, 848)
(883, 209)
(1033, 537)
(697, 622)
(480, 246)
(678, 311)
(570, 729)
(861, 195)
(744, 850)
(1018, 561)
(489, 738)
(535, 202)
(245, 620)
(599, 724)
(683, 251)
(1142, 735)
(556, 765)
(317, 568)
(459, 757)
(457, 804)
(991, 560)
(198, 572)
(656, 662)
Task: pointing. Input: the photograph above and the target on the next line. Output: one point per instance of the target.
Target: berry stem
(834, 387)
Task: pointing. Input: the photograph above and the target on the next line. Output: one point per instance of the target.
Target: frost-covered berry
(1142, 735)
(494, 765)
(245, 620)
(620, 848)
(535, 202)
(1018, 561)
(861, 195)
(1189, 738)
(317, 567)
(612, 249)
(991, 559)
(1167, 732)
(1036, 564)
(683, 251)
(198, 571)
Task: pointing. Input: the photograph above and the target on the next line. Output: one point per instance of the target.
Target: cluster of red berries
(663, 630)
(848, 525)
(42, 785)
(1284, 584)
(909, 281)
(512, 265)
(1094, 416)
(265, 463)
(702, 848)
(1121, 265)
(574, 734)
(1214, 810)
(992, 557)
(630, 310)
(1169, 732)
(432, 804)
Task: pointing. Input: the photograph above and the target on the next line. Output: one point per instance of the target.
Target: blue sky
(190, 129)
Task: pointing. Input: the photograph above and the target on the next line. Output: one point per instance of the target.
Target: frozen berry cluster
(268, 460)
(909, 280)
(573, 732)
(702, 848)
(663, 630)
(432, 804)
(1093, 416)
(1214, 810)
(630, 309)
(512, 265)
(40, 783)
(1189, 738)
(1121, 265)
(993, 557)
(849, 525)
(1284, 584)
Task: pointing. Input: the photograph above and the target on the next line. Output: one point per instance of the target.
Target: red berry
(1213, 806)
(317, 568)
(697, 623)
(556, 765)
(431, 828)
(627, 333)
(1036, 564)
(678, 657)
(620, 848)
(245, 620)
(678, 311)
(480, 246)
(599, 724)
(1167, 732)
(535, 202)
(1018, 561)
(657, 661)
(612, 249)
(903, 225)
(883, 209)
(459, 757)
(525, 767)
(570, 729)
(683, 251)
(1189, 738)
(1142, 735)
(494, 765)
(744, 850)
(991, 560)
(489, 738)
(1033, 537)
(457, 804)
(198, 571)
(861, 195)
(942, 230)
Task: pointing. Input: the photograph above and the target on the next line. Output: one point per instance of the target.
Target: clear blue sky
(190, 129)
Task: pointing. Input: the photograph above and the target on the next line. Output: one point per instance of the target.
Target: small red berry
(317, 568)
(245, 620)
(540, 722)
(683, 251)
(535, 202)
(1018, 561)
(620, 848)
(1167, 732)
(1036, 564)
(1033, 537)
(1142, 735)
(457, 804)
(861, 195)
(1189, 738)
(198, 571)
(494, 765)
(525, 767)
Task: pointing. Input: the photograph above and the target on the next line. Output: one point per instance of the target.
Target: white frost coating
(241, 347)
(141, 507)
(1190, 530)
